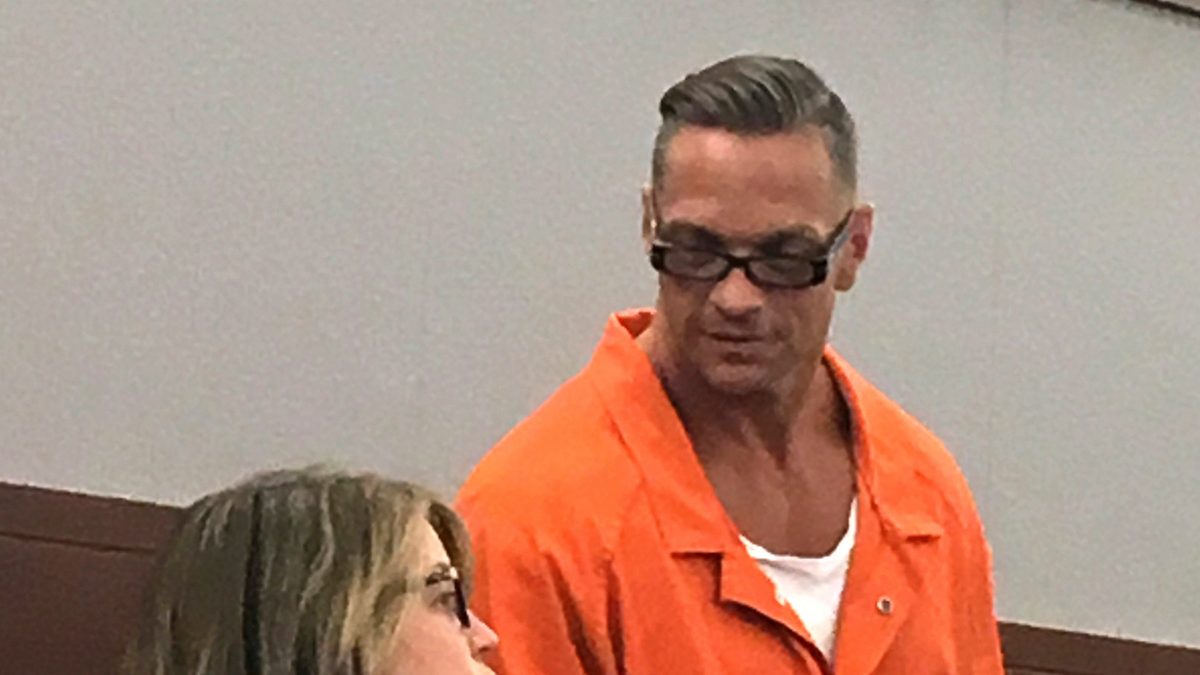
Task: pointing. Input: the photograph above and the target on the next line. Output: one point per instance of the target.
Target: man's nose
(736, 295)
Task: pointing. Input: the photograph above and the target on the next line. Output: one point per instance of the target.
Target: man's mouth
(735, 337)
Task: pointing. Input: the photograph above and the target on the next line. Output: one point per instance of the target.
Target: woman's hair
(290, 573)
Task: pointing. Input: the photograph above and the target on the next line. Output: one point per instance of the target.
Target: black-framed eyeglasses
(769, 271)
(449, 574)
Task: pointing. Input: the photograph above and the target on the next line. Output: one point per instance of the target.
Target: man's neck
(727, 428)
(781, 464)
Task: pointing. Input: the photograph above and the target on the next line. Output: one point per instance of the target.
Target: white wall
(244, 234)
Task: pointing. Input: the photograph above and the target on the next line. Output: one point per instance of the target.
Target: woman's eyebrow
(440, 572)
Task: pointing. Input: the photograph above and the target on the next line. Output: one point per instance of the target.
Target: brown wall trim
(70, 521)
(103, 523)
(1047, 650)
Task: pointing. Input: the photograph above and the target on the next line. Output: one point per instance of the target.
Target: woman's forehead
(430, 550)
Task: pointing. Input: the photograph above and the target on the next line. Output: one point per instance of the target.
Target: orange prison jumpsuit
(602, 548)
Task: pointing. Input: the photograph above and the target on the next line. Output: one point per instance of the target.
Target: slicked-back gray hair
(759, 95)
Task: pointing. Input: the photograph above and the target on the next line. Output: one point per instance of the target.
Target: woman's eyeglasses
(455, 600)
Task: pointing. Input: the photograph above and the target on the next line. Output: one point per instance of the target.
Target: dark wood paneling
(67, 609)
(1068, 653)
(72, 569)
(84, 520)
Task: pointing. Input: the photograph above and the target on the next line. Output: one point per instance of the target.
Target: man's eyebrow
(789, 233)
(800, 232)
(692, 230)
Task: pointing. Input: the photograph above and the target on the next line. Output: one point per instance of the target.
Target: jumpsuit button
(884, 606)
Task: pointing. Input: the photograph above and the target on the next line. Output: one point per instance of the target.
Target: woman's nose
(483, 638)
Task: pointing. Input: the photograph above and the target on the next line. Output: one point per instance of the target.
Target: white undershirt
(812, 586)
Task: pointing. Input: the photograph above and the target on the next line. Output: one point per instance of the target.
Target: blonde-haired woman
(314, 573)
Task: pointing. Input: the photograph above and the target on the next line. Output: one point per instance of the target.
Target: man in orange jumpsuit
(718, 491)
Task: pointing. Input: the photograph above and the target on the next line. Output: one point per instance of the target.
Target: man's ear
(647, 216)
(854, 251)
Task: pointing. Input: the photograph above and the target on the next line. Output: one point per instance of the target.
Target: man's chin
(739, 379)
